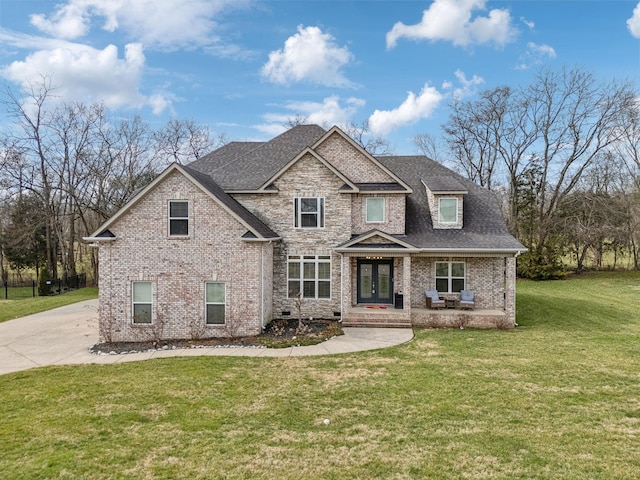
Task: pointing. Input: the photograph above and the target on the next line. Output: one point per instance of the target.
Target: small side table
(451, 302)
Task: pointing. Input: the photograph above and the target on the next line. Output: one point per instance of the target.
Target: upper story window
(450, 276)
(308, 212)
(448, 210)
(375, 210)
(178, 218)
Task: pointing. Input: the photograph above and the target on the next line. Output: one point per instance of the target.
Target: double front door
(375, 281)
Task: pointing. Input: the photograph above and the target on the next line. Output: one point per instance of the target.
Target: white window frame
(176, 218)
(207, 303)
(298, 214)
(134, 303)
(384, 209)
(450, 278)
(440, 219)
(310, 282)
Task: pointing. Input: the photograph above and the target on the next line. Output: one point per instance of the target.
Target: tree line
(562, 153)
(67, 167)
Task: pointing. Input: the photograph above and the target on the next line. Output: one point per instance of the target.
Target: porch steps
(375, 323)
(363, 317)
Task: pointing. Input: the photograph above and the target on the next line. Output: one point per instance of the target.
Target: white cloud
(528, 23)
(633, 24)
(410, 111)
(535, 55)
(467, 86)
(331, 111)
(310, 56)
(80, 72)
(68, 21)
(158, 24)
(451, 20)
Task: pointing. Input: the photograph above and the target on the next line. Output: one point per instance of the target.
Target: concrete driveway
(64, 335)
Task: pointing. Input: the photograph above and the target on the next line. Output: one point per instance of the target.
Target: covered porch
(370, 299)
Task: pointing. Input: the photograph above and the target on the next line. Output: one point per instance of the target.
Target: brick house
(222, 246)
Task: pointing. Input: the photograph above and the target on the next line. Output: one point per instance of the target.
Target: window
(309, 274)
(448, 210)
(450, 276)
(178, 218)
(308, 212)
(141, 300)
(375, 210)
(215, 303)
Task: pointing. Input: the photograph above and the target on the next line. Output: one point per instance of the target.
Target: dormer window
(308, 212)
(448, 210)
(178, 218)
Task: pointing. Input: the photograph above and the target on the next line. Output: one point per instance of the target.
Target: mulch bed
(279, 333)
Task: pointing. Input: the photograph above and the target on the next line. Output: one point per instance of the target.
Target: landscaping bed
(279, 333)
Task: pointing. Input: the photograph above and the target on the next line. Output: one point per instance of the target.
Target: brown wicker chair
(433, 300)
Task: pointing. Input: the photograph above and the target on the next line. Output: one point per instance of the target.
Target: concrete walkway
(63, 336)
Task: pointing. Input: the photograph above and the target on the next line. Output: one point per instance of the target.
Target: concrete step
(375, 323)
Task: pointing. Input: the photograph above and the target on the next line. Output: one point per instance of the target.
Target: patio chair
(467, 299)
(433, 300)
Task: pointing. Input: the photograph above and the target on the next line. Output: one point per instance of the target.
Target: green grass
(21, 303)
(556, 398)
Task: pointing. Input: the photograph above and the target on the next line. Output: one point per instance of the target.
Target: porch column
(406, 282)
(345, 279)
(510, 289)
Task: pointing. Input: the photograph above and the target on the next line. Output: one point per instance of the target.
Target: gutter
(263, 240)
(94, 240)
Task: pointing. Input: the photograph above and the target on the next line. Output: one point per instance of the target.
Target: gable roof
(364, 242)
(348, 187)
(257, 229)
(401, 185)
(248, 166)
(483, 228)
(440, 184)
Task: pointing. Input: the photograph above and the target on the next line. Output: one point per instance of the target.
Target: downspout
(341, 283)
(262, 286)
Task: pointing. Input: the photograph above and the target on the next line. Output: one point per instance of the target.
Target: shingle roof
(206, 182)
(247, 166)
(443, 184)
(483, 224)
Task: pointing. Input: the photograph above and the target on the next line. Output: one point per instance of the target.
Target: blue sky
(244, 67)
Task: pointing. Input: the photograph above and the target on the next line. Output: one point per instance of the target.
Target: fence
(29, 288)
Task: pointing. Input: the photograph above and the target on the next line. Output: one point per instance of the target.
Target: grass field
(556, 398)
(21, 302)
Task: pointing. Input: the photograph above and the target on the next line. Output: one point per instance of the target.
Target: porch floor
(361, 316)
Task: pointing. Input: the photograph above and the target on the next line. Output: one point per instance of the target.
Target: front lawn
(556, 398)
(22, 303)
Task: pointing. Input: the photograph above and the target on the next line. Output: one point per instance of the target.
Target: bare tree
(428, 145)
(31, 140)
(575, 119)
(538, 140)
(184, 141)
(376, 145)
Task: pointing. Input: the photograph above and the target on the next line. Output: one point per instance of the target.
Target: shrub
(44, 282)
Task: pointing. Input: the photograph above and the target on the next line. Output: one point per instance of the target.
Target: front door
(375, 281)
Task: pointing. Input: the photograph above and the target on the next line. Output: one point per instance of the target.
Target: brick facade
(255, 271)
(179, 267)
